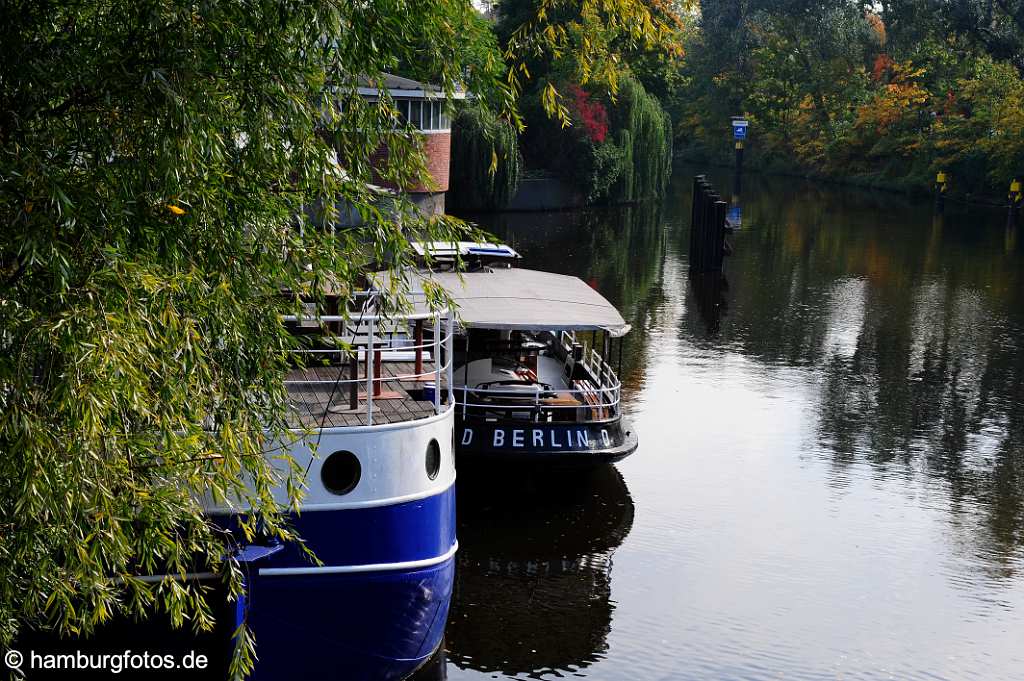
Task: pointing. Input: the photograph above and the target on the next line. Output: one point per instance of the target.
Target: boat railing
(607, 383)
(367, 337)
(594, 398)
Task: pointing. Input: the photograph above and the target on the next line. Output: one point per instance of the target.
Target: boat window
(433, 459)
(340, 472)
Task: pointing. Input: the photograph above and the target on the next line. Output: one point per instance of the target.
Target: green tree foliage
(585, 145)
(889, 92)
(587, 41)
(563, 46)
(980, 134)
(154, 157)
(581, 57)
(996, 25)
(485, 161)
(615, 150)
(645, 137)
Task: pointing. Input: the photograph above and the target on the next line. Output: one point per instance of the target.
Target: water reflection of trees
(915, 326)
(938, 381)
(532, 586)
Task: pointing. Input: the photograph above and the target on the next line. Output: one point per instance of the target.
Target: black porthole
(340, 472)
(433, 459)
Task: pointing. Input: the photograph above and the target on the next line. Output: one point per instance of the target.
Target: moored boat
(378, 513)
(376, 453)
(533, 380)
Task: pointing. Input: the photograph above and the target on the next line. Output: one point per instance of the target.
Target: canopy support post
(465, 378)
(418, 340)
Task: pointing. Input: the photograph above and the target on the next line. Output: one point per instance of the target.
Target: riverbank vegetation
(485, 161)
(884, 93)
(617, 149)
(593, 124)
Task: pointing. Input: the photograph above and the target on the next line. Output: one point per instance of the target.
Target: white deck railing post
(465, 382)
(450, 355)
(369, 372)
(437, 362)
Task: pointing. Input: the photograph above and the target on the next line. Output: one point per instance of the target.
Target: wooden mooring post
(708, 246)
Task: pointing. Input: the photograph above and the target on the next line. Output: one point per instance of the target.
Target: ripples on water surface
(830, 481)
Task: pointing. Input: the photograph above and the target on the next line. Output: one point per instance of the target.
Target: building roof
(397, 86)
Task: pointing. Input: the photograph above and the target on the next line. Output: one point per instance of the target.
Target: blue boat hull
(377, 607)
(349, 627)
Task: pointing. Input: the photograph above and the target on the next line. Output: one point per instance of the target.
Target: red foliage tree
(591, 114)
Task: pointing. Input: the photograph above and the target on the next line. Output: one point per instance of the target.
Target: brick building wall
(439, 153)
(437, 147)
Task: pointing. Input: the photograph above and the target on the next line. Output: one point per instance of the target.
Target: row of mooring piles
(708, 228)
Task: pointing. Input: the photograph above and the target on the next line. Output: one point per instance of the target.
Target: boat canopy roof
(522, 300)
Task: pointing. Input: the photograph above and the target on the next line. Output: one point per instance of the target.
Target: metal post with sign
(739, 134)
(739, 128)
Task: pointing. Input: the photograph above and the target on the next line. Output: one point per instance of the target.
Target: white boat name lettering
(520, 438)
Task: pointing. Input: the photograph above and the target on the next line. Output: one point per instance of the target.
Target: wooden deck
(327, 404)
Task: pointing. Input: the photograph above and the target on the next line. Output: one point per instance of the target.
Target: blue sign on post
(734, 217)
(739, 128)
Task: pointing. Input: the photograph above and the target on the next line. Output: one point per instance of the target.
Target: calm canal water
(830, 480)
